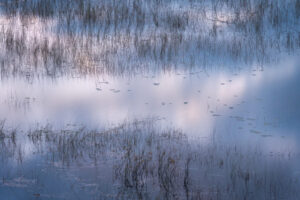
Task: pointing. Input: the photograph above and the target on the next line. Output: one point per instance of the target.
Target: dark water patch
(140, 162)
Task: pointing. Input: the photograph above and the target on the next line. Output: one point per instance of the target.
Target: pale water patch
(232, 102)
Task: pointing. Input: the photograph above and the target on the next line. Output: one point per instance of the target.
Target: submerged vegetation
(149, 163)
(80, 37)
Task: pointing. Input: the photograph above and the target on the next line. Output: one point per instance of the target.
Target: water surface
(149, 100)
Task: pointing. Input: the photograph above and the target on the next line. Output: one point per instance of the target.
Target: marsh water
(149, 99)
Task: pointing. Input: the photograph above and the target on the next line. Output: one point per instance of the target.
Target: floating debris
(185, 102)
(255, 131)
(267, 124)
(238, 118)
(267, 135)
(156, 84)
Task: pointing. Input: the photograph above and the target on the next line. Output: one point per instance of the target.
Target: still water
(250, 108)
(149, 99)
(263, 100)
